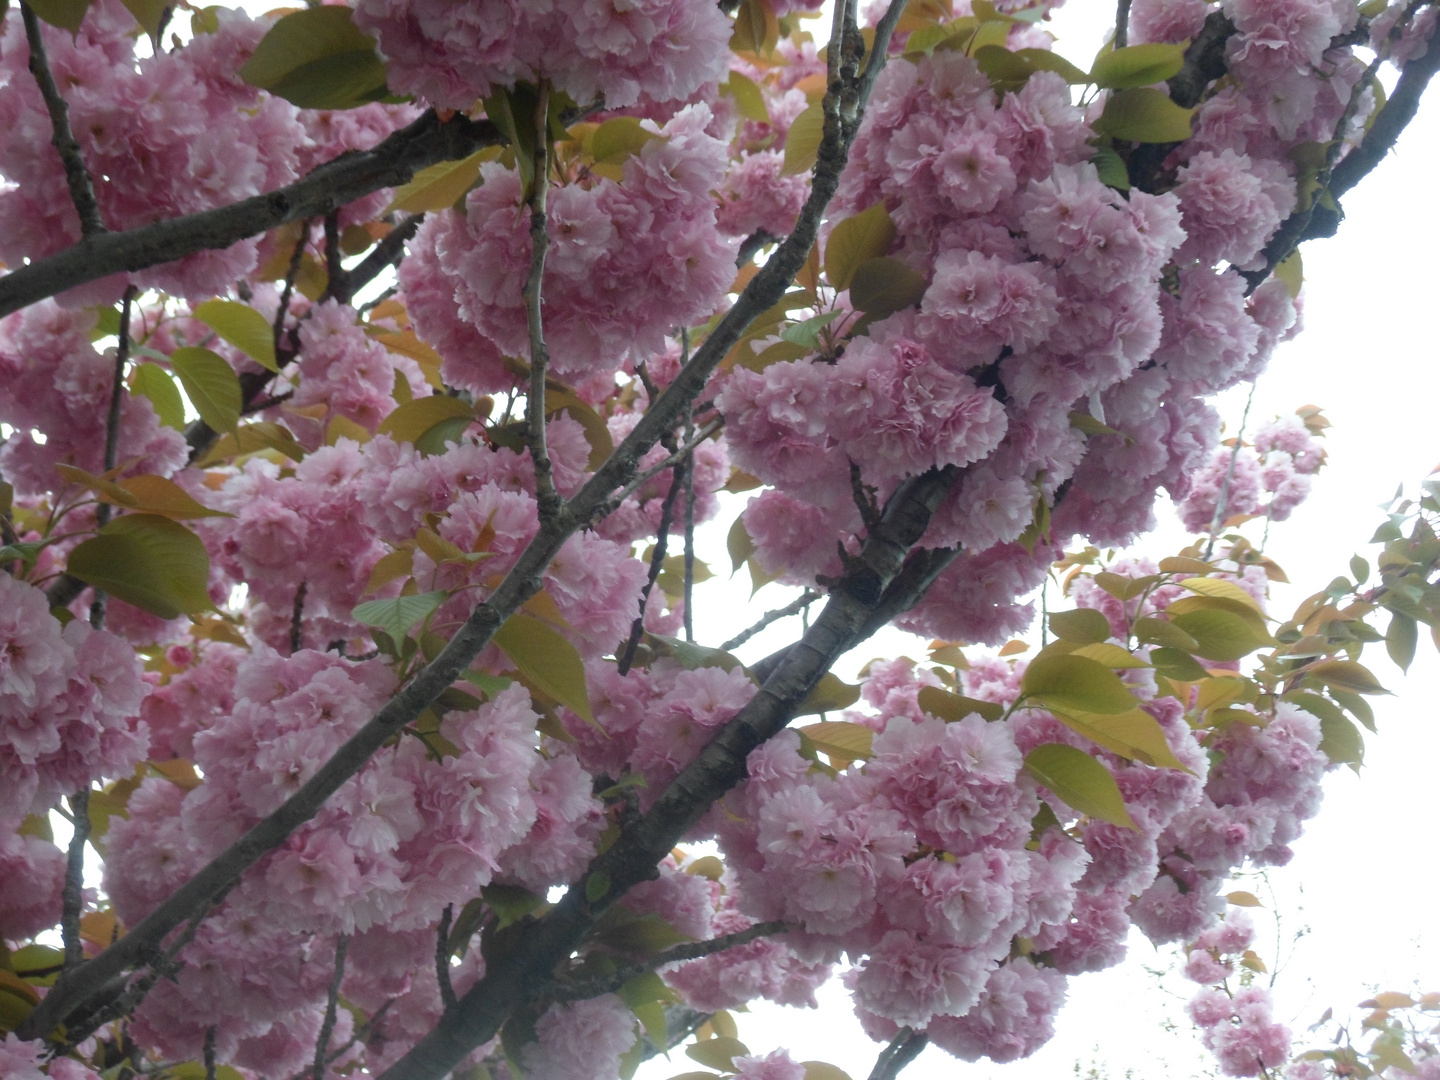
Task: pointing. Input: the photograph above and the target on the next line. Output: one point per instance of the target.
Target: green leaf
(1149, 631)
(951, 707)
(1291, 271)
(1080, 781)
(545, 657)
(1177, 664)
(426, 420)
(1222, 635)
(66, 14)
(399, 613)
(1112, 656)
(807, 334)
(867, 235)
(1357, 706)
(1083, 626)
(1346, 675)
(739, 545)
(718, 1053)
(618, 139)
(748, 98)
(243, 327)
(149, 561)
(211, 385)
(1340, 741)
(596, 886)
(830, 695)
(883, 286)
(253, 437)
(840, 738)
(154, 382)
(1112, 169)
(1138, 65)
(1045, 60)
(802, 143)
(1400, 640)
(1135, 734)
(317, 58)
(1146, 116)
(148, 13)
(1222, 589)
(441, 185)
(1074, 683)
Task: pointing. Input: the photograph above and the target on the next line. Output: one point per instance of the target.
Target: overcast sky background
(1363, 882)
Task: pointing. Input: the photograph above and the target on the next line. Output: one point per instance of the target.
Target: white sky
(1364, 876)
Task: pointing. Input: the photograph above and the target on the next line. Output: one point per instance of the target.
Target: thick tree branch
(351, 176)
(1204, 61)
(77, 177)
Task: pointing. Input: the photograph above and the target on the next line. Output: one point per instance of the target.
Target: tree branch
(394, 161)
(77, 177)
(693, 950)
(332, 1002)
(903, 1049)
(801, 602)
(73, 893)
(547, 499)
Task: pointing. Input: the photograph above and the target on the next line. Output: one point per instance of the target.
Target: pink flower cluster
(1268, 478)
(1239, 1029)
(628, 262)
(449, 54)
(69, 704)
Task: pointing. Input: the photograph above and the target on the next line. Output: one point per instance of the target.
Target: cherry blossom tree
(367, 373)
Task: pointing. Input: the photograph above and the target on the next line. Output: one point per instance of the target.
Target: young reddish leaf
(1080, 781)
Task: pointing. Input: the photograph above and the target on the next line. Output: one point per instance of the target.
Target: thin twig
(670, 462)
(112, 433)
(692, 950)
(689, 597)
(657, 563)
(297, 612)
(1218, 518)
(332, 1007)
(73, 894)
(387, 253)
(548, 502)
(209, 1052)
(77, 176)
(442, 959)
(291, 271)
(1122, 24)
(800, 603)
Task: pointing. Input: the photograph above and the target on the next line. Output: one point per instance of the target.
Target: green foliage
(317, 58)
(147, 560)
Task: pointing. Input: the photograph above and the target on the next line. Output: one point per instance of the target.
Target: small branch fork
(904, 1048)
(77, 177)
(694, 950)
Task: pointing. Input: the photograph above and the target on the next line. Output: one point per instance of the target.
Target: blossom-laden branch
(395, 161)
(77, 176)
(391, 163)
(526, 954)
